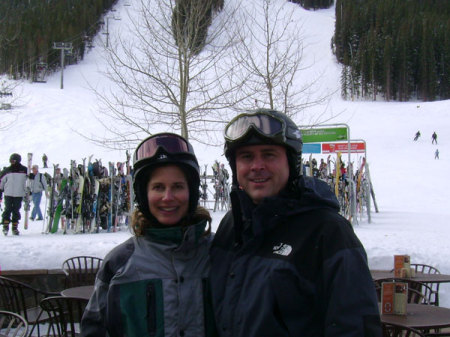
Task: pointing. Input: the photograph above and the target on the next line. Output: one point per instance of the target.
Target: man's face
(262, 170)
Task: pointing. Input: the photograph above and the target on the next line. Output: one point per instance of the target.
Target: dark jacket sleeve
(94, 322)
(352, 307)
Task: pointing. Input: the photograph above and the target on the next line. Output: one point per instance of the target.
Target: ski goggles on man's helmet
(170, 142)
(265, 124)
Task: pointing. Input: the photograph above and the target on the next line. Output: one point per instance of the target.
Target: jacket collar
(256, 219)
(178, 234)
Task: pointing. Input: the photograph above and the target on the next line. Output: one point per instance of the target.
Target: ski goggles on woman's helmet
(265, 124)
(170, 142)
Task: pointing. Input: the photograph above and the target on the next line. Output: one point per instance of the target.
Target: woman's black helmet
(265, 126)
(164, 149)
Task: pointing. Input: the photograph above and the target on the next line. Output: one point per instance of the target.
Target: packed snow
(410, 185)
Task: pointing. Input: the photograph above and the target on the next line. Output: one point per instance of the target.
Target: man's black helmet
(164, 149)
(265, 126)
(16, 157)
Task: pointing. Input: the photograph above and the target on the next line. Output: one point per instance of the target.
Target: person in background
(44, 160)
(283, 261)
(38, 184)
(434, 138)
(57, 179)
(13, 185)
(416, 137)
(436, 154)
(156, 283)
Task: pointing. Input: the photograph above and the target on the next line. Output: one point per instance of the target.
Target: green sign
(324, 135)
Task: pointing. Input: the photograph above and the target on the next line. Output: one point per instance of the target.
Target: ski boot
(5, 227)
(14, 229)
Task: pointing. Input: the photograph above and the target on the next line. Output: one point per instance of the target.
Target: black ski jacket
(291, 266)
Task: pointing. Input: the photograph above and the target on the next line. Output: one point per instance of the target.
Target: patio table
(83, 292)
(420, 277)
(420, 316)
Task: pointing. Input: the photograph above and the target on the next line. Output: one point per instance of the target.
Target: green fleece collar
(177, 235)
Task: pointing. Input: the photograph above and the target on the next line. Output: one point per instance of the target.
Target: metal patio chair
(23, 299)
(427, 269)
(81, 270)
(12, 324)
(65, 315)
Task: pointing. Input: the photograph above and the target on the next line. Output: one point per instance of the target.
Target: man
(283, 261)
(13, 184)
(38, 184)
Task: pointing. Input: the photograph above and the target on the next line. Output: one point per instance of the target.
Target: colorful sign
(311, 148)
(343, 147)
(324, 135)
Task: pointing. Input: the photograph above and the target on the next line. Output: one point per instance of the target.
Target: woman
(155, 283)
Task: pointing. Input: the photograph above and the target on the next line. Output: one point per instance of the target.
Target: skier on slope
(417, 135)
(13, 183)
(434, 138)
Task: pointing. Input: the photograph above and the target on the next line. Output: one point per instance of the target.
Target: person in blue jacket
(283, 261)
(38, 185)
(156, 283)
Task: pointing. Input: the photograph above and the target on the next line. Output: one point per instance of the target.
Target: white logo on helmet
(161, 156)
(297, 134)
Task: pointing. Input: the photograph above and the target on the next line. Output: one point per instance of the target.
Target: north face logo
(282, 249)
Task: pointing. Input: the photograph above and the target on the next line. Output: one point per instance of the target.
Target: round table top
(83, 292)
(420, 316)
(420, 277)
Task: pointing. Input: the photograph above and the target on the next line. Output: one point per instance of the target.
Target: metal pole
(62, 68)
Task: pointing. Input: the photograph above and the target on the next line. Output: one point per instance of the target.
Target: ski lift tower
(63, 46)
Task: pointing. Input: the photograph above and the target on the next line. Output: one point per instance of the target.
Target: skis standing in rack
(79, 226)
(27, 200)
(111, 196)
(51, 206)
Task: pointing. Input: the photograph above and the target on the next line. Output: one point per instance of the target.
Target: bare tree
(271, 51)
(162, 80)
(11, 98)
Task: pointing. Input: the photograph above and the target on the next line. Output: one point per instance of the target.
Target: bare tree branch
(271, 51)
(11, 99)
(161, 83)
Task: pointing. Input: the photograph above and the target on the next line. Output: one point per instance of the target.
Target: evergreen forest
(390, 49)
(29, 29)
(394, 49)
(314, 4)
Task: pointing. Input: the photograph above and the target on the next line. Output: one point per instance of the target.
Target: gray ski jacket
(13, 182)
(39, 183)
(156, 285)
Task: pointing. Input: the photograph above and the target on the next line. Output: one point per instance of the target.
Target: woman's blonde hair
(139, 223)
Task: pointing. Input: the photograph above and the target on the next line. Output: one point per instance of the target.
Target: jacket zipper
(151, 311)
